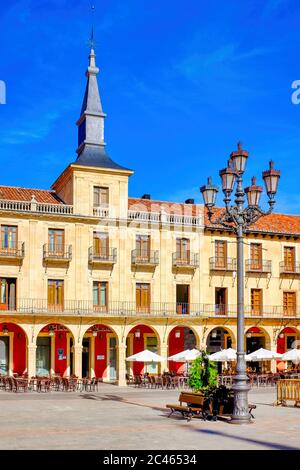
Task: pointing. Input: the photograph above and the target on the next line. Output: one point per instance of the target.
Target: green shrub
(203, 374)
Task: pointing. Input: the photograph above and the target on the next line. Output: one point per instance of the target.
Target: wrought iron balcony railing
(15, 251)
(258, 266)
(222, 264)
(186, 260)
(145, 258)
(57, 252)
(131, 309)
(102, 256)
(289, 268)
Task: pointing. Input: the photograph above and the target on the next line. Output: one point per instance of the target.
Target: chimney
(146, 196)
(189, 201)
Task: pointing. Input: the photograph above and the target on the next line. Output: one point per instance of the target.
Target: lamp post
(238, 218)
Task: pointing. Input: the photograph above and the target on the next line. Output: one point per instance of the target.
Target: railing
(158, 217)
(258, 266)
(57, 252)
(185, 260)
(145, 257)
(101, 211)
(131, 309)
(102, 256)
(13, 252)
(289, 268)
(33, 206)
(222, 264)
(288, 390)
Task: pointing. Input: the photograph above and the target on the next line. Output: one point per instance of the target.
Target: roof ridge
(159, 200)
(32, 189)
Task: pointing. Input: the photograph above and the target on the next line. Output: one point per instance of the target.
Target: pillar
(78, 361)
(164, 353)
(274, 349)
(31, 360)
(121, 354)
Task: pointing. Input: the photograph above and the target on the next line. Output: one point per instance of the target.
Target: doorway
(43, 355)
(220, 301)
(112, 359)
(4, 354)
(151, 345)
(86, 357)
(253, 343)
(182, 298)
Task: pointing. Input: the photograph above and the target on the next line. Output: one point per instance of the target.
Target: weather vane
(91, 42)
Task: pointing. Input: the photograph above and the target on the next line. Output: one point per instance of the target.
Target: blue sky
(181, 82)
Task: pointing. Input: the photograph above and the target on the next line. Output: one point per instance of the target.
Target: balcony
(33, 206)
(289, 268)
(222, 264)
(100, 211)
(221, 310)
(149, 258)
(157, 310)
(104, 257)
(258, 266)
(57, 253)
(186, 261)
(14, 253)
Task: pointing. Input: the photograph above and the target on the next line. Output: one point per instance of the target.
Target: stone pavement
(128, 418)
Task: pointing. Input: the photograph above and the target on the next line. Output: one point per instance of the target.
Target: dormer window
(100, 196)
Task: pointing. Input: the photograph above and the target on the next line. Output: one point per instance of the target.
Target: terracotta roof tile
(25, 194)
(272, 223)
(150, 205)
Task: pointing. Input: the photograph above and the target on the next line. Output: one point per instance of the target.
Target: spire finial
(253, 181)
(239, 145)
(91, 41)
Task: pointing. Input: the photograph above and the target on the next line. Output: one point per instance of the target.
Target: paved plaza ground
(129, 418)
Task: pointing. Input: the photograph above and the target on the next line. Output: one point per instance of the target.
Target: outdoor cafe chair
(20, 384)
(158, 381)
(43, 384)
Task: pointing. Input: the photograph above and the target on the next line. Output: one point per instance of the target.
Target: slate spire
(91, 145)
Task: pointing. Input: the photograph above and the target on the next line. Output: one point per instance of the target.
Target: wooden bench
(195, 406)
(198, 405)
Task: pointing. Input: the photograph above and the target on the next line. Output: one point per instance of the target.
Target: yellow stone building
(89, 276)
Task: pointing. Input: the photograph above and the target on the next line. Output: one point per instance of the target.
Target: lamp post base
(240, 388)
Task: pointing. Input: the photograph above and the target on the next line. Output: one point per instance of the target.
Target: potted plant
(203, 375)
(203, 380)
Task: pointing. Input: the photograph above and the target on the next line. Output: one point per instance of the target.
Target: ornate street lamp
(239, 218)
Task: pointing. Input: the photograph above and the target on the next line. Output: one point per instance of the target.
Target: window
(256, 301)
(220, 253)
(100, 196)
(55, 294)
(182, 249)
(143, 297)
(289, 303)
(182, 298)
(56, 240)
(100, 295)
(256, 256)
(143, 247)
(9, 237)
(101, 244)
(289, 258)
(221, 301)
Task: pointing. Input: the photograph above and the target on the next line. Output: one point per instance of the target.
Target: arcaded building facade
(89, 276)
